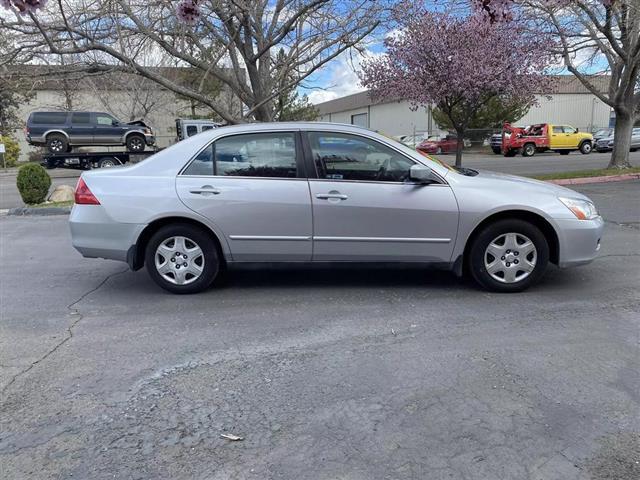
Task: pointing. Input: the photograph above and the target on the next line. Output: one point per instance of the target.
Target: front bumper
(579, 241)
(150, 140)
(96, 235)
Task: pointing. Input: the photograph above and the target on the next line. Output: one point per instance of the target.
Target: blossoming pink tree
(457, 64)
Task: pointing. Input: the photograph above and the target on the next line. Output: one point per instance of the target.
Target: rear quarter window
(49, 118)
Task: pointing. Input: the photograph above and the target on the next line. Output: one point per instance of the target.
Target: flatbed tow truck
(89, 160)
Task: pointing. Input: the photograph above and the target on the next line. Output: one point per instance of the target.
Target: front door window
(339, 156)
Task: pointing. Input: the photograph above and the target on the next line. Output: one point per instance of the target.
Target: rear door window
(271, 155)
(49, 118)
(80, 118)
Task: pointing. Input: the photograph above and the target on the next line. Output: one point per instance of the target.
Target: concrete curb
(42, 211)
(605, 179)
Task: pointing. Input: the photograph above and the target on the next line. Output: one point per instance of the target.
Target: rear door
(82, 129)
(557, 138)
(253, 187)
(366, 209)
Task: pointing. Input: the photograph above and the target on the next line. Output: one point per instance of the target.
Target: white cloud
(339, 77)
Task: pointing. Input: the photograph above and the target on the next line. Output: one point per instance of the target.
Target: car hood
(514, 181)
(139, 123)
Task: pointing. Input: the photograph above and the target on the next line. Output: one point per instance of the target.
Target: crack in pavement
(69, 335)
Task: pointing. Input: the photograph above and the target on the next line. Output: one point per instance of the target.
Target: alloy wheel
(179, 260)
(56, 145)
(510, 257)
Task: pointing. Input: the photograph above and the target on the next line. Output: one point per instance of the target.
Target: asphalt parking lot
(350, 373)
(548, 162)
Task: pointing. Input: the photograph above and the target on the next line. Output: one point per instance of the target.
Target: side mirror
(421, 174)
(577, 130)
(115, 123)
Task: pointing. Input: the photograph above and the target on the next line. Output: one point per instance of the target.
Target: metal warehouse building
(567, 101)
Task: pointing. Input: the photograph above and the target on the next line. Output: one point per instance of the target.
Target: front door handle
(331, 195)
(205, 190)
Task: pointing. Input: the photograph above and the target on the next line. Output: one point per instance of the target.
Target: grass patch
(603, 172)
(52, 204)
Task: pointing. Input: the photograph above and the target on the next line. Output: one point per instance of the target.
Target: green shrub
(12, 151)
(33, 183)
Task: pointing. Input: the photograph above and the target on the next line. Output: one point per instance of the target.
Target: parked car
(437, 144)
(495, 142)
(322, 192)
(61, 131)
(606, 144)
(602, 133)
(542, 137)
(411, 141)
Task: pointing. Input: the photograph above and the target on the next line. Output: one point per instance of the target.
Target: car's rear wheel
(135, 143)
(182, 258)
(108, 162)
(529, 150)
(509, 256)
(585, 148)
(57, 143)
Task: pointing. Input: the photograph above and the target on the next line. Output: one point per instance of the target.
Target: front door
(107, 131)
(253, 188)
(366, 209)
(570, 137)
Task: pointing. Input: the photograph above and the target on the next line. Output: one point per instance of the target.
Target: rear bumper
(96, 235)
(579, 241)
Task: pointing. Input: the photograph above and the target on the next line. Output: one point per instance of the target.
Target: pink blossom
(188, 11)
(441, 59)
(24, 6)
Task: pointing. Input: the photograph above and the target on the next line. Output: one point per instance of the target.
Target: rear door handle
(204, 190)
(327, 196)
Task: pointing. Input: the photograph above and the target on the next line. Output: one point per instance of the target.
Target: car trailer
(89, 160)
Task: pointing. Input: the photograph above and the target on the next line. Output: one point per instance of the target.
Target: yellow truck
(542, 137)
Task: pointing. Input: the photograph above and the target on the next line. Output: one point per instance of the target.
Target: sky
(339, 77)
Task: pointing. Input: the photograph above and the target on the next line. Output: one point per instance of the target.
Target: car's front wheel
(509, 256)
(182, 258)
(585, 148)
(135, 143)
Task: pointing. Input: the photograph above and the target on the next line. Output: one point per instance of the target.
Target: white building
(566, 102)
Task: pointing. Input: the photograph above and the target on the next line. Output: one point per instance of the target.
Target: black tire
(478, 250)
(564, 152)
(497, 151)
(109, 162)
(528, 150)
(136, 143)
(196, 236)
(585, 148)
(57, 143)
(510, 153)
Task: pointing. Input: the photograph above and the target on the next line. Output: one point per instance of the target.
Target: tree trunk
(459, 147)
(621, 140)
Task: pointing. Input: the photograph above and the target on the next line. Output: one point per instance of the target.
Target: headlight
(582, 209)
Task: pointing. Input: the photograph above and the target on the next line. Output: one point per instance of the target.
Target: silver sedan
(321, 192)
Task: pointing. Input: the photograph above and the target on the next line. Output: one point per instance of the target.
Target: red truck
(542, 137)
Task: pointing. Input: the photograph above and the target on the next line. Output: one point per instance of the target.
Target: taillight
(83, 195)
